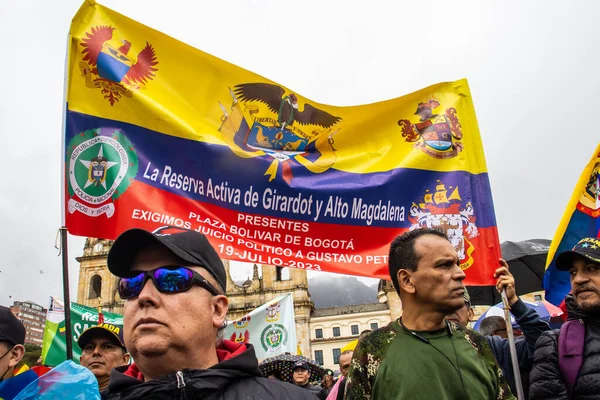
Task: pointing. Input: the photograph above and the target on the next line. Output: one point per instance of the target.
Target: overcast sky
(532, 66)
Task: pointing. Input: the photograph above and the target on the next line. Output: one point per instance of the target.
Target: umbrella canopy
(544, 309)
(284, 364)
(527, 263)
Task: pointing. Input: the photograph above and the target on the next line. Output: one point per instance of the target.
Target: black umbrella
(527, 263)
(284, 364)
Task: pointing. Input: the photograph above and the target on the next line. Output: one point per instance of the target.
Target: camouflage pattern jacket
(372, 349)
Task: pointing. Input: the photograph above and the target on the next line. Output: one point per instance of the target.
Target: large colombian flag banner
(159, 133)
(580, 220)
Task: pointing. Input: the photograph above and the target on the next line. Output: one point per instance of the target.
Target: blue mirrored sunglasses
(167, 279)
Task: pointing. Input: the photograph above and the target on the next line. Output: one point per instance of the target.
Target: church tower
(97, 286)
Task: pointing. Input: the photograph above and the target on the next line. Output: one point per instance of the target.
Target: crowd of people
(173, 324)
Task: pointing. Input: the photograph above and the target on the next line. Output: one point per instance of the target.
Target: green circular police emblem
(273, 337)
(101, 164)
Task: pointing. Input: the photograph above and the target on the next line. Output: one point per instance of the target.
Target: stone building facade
(333, 328)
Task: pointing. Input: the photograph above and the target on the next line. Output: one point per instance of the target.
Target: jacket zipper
(181, 384)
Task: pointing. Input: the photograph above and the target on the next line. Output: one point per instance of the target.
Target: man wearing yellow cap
(102, 349)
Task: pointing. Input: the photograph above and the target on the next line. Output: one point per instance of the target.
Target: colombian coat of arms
(265, 120)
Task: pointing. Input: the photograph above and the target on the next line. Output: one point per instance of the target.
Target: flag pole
(67, 307)
(63, 228)
(512, 347)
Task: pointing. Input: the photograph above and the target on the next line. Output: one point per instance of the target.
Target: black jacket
(532, 326)
(234, 378)
(316, 390)
(546, 381)
(324, 392)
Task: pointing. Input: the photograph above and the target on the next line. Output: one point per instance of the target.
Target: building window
(354, 329)
(95, 287)
(319, 357)
(336, 356)
(537, 297)
(336, 332)
(374, 325)
(281, 273)
(319, 333)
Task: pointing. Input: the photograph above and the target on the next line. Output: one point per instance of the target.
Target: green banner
(54, 348)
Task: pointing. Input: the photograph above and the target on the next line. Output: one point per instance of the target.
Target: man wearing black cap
(173, 282)
(102, 349)
(301, 376)
(567, 361)
(12, 337)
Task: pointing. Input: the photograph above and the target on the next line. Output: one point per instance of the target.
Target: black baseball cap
(329, 372)
(191, 246)
(588, 248)
(110, 331)
(301, 364)
(11, 329)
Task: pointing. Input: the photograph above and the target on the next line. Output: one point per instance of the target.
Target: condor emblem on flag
(271, 123)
